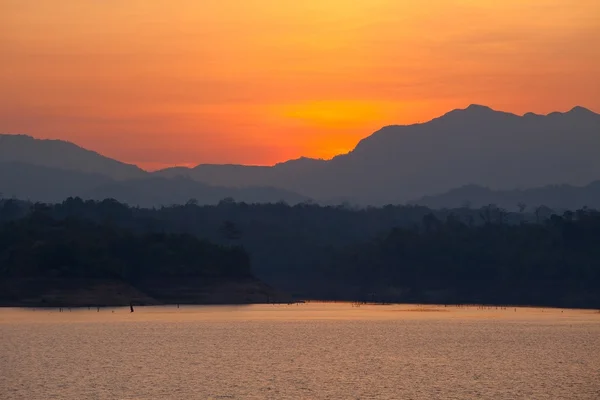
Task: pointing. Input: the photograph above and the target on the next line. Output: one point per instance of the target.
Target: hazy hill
(64, 155)
(557, 197)
(157, 191)
(476, 145)
(37, 183)
(396, 164)
(233, 175)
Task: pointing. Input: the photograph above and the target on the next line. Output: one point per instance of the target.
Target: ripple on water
(311, 351)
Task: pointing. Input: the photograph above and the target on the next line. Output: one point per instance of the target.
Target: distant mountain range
(397, 164)
(556, 197)
(51, 185)
(156, 190)
(63, 155)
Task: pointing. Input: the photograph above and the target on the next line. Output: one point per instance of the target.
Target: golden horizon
(265, 81)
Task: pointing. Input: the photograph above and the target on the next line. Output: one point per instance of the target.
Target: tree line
(553, 263)
(391, 253)
(40, 245)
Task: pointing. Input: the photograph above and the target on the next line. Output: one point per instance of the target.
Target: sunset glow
(262, 81)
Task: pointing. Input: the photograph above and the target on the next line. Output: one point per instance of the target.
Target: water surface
(306, 351)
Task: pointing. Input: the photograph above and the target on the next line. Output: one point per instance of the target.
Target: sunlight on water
(307, 351)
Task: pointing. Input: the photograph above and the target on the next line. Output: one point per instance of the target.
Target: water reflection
(312, 350)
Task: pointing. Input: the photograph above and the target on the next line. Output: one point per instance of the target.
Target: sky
(160, 83)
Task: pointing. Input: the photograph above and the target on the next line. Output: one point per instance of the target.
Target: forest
(385, 254)
(46, 260)
(554, 263)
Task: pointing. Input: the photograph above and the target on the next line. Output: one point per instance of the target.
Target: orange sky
(262, 81)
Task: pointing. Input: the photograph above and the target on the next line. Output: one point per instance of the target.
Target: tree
(227, 201)
(569, 215)
(431, 223)
(487, 213)
(542, 212)
(230, 231)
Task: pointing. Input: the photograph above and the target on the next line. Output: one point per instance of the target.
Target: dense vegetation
(38, 245)
(393, 253)
(555, 263)
(288, 245)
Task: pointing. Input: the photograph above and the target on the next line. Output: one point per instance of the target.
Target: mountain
(241, 175)
(51, 185)
(52, 170)
(397, 164)
(557, 197)
(45, 184)
(158, 191)
(63, 155)
(475, 145)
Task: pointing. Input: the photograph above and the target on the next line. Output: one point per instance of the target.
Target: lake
(304, 351)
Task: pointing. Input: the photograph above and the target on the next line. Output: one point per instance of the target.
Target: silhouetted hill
(45, 184)
(157, 191)
(396, 164)
(234, 175)
(64, 155)
(557, 197)
(476, 145)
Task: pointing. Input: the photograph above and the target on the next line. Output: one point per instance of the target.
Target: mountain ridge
(53, 153)
(477, 144)
(557, 197)
(473, 108)
(53, 185)
(397, 163)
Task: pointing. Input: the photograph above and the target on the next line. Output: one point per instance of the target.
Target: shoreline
(94, 293)
(426, 306)
(102, 292)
